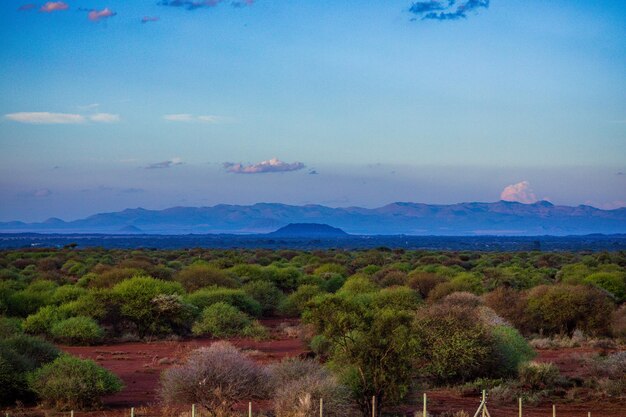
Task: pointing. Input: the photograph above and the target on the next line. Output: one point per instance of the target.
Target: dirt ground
(139, 365)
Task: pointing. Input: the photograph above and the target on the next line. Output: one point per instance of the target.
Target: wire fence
(242, 411)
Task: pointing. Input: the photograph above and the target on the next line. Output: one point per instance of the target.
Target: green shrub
(613, 282)
(358, 284)
(206, 297)
(511, 350)
(456, 345)
(266, 294)
(326, 269)
(199, 276)
(42, 321)
(399, 297)
(67, 293)
(71, 383)
(565, 308)
(10, 326)
(537, 376)
(77, 331)
(222, 320)
(32, 298)
(135, 297)
(20, 355)
(294, 304)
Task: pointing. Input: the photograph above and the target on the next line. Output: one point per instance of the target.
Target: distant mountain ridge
(499, 218)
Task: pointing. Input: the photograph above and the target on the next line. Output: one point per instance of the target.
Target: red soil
(140, 364)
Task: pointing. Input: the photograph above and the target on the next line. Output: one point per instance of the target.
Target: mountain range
(462, 219)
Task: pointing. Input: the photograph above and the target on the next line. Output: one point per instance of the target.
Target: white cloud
(41, 118)
(520, 192)
(104, 118)
(188, 118)
(272, 165)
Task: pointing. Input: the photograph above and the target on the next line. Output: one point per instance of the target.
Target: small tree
(374, 349)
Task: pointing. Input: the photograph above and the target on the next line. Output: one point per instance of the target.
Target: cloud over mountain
(520, 192)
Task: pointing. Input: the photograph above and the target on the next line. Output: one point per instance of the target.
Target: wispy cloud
(272, 165)
(446, 9)
(190, 118)
(54, 6)
(45, 118)
(104, 118)
(165, 164)
(520, 192)
(97, 15)
(200, 4)
(148, 19)
(42, 192)
(26, 7)
(48, 118)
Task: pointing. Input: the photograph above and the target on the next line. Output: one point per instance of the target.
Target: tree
(373, 348)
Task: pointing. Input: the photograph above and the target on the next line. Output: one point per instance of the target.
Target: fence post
(424, 413)
(193, 410)
(72, 413)
(250, 409)
(321, 407)
(520, 406)
(484, 396)
(553, 410)
(132, 411)
(373, 406)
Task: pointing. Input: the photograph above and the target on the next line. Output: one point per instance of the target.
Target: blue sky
(359, 102)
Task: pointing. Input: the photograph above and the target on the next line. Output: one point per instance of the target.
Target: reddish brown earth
(140, 364)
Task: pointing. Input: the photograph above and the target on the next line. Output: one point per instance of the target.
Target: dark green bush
(77, 331)
(20, 355)
(294, 304)
(10, 326)
(266, 294)
(70, 383)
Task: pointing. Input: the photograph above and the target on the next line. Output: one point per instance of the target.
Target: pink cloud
(520, 192)
(273, 165)
(54, 6)
(97, 15)
(147, 19)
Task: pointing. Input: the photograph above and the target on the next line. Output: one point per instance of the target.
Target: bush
(613, 282)
(299, 385)
(77, 331)
(565, 308)
(41, 322)
(399, 297)
(511, 350)
(135, 297)
(456, 345)
(294, 304)
(10, 326)
(71, 383)
(537, 376)
(206, 297)
(618, 322)
(20, 355)
(424, 282)
(221, 320)
(216, 377)
(358, 284)
(67, 293)
(195, 277)
(266, 294)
